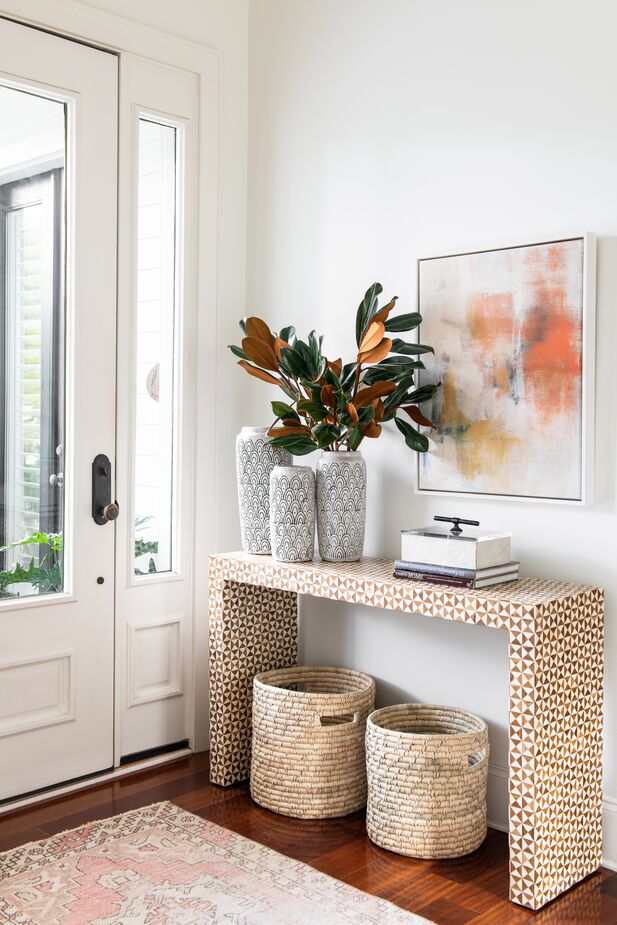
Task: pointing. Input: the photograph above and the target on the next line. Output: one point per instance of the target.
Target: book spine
(434, 569)
(437, 579)
(497, 580)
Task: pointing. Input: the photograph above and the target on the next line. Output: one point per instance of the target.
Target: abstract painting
(510, 328)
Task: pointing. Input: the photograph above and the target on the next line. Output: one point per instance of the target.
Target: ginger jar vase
(341, 505)
(292, 513)
(255, 460)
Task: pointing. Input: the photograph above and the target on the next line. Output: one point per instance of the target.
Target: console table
(555, 704)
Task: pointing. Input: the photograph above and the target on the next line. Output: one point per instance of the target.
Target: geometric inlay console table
(555, 705)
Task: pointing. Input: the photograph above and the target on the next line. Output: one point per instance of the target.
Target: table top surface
(370, 581)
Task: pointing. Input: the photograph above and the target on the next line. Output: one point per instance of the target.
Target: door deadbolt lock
(104, 509)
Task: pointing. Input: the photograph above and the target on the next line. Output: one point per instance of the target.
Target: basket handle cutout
(343, 719)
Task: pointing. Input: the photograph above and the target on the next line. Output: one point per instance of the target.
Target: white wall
(385, 130)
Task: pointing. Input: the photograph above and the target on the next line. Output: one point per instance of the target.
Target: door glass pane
(32, 161)
(155, 342)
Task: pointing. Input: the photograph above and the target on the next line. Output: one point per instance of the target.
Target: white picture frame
(587, 405)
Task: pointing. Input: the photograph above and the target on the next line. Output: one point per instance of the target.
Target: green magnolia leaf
(283, 411)
(293, 362)
(313, 344)
(289, 392)
(297, 446)
(375, 374)
(313, 361)
(348, 373)
(316, 410)
(238, 352)
(413, 438)
(305, 352)
(400, 346)
(242, 324)
(332, 379)
(395, 371)
(397, 397)
(355, 438)
(325, 435)
(420, 395)
(313, 387)
(366, 414)
(288, 334)
(404, 322)
(394, 362)
(366, 310)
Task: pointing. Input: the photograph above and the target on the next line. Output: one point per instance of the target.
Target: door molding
(108, 31)
(62, 684)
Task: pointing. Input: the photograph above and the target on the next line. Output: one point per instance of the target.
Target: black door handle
(103, 508)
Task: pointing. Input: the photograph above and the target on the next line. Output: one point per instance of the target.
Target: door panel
(155, 426)
(58, 189)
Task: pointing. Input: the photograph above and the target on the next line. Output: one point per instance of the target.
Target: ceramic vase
(255, 460)
(341, 505)
(292, 513)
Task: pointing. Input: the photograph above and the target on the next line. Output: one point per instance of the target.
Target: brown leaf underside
(258, 373)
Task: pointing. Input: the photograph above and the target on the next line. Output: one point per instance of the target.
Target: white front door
(58, 189)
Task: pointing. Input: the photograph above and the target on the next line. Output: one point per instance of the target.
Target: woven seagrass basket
(309, 725)
(427, 768)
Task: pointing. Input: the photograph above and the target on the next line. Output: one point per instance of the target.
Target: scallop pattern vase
(292, 513)
(341, 505)
(255, 460)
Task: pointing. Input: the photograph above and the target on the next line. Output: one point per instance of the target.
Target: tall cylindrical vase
(341, 505)
(255, 460)
(292, 513)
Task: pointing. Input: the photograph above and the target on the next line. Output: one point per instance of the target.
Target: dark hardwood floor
(470, 890)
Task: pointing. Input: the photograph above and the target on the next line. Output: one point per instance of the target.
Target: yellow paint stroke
(481, 446)
(451, 418)
(485, 449)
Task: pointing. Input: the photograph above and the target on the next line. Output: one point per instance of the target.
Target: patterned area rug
(160, 865)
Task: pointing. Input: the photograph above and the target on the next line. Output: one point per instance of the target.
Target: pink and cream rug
(160, 865)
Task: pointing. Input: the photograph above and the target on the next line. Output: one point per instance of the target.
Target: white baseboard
(497, 797)
(609, 833)
(93, 780)
(497, 806)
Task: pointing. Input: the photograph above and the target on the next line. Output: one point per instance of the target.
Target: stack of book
(459, 577)
(461, 557)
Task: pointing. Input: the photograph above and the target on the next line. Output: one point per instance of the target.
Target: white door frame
(124, 36)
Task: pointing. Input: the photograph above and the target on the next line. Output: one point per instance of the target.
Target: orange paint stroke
(552, 357)
(491, 322)
(490, 317)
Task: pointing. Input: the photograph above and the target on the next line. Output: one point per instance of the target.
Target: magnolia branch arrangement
(334, 406)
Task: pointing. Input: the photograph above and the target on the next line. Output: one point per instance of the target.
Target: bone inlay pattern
(556, 673)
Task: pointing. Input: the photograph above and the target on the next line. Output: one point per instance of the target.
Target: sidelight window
(156, 345)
